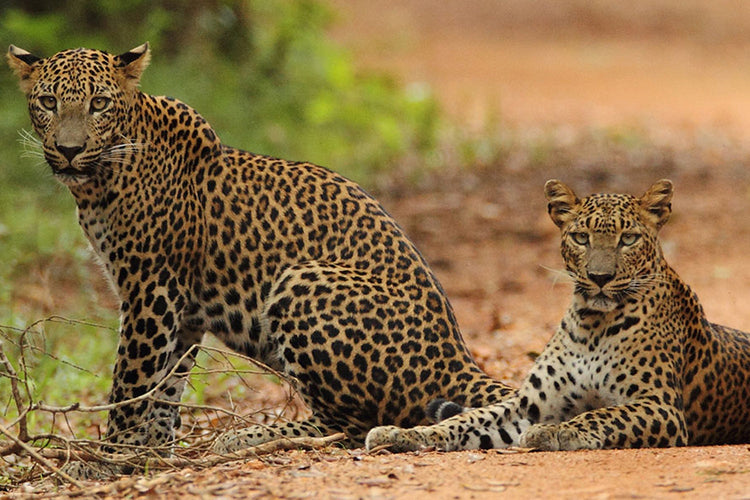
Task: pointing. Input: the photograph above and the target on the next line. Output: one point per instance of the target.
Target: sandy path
(544, 63)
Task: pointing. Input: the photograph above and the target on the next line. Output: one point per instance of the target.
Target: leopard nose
(601, 279)
(69, 152)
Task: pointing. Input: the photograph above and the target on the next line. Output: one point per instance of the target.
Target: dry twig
(38, 457)
(162, 463)
(137, 457)
(23, 432)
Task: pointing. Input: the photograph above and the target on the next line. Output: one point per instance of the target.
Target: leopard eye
(99, 104)
(629, 239)
(48, 102)
(580, 238)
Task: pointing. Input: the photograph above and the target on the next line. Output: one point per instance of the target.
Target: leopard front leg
(547, 437)
(254, 435)
(153, 354)
(494, 426)
(150, 421)
(560, 437)
(638, 424)
(400, 440)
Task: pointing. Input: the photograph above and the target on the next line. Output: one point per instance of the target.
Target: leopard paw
(396, 439)
(92, 471)
(555, 437)
(541, 437)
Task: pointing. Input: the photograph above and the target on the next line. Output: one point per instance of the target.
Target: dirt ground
(668, 65)
(485, 231)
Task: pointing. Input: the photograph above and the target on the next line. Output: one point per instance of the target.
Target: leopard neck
(155, 150)
(158, 185)
(657, 299)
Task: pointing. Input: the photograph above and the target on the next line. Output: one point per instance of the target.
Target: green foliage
(51, 369)
(261, 71)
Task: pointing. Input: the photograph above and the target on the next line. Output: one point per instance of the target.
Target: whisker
(28, 137)
(118, 160)
(34, 155)
(120, 154)
(633, 292)
(640, 286)
(131, 143)
(650, 279)
(32, 146)
(560, 275)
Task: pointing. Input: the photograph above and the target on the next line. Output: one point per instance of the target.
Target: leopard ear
(132, 64)
(656, 206)
(22, 63)
(562, 202)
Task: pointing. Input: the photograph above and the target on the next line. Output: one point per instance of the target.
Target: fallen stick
(207, 461)
(37, 456)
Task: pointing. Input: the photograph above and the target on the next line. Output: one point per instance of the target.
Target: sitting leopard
(634, 362)
(288, 263)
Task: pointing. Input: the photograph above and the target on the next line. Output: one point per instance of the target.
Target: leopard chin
(601, 302)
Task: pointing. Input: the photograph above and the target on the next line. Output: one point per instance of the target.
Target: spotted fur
(634, 363)
(288, 263)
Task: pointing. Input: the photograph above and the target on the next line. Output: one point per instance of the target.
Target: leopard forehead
(608, 213)
(76, 73)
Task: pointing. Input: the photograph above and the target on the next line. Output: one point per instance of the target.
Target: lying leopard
(288, 263)
(634, 363)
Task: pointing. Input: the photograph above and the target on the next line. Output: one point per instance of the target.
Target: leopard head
(609, 241)
(78, 100)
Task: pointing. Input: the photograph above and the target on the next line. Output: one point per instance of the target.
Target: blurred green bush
(261, 71)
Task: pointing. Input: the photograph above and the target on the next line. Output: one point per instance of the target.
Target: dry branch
(23, 433)
(38, 457)
(35, 446)
(161, 463)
